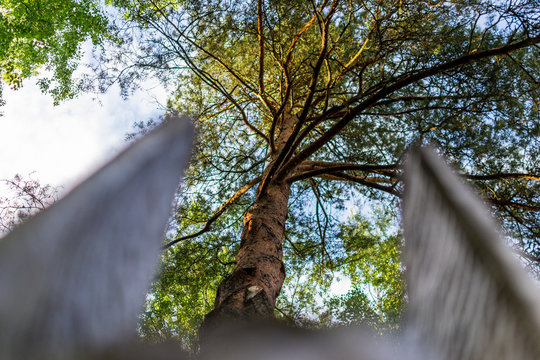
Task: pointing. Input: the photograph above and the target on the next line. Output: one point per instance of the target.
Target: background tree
(304, 105)
(45, 37)
(27, 197)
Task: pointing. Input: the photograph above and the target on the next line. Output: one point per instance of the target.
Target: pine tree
(302, 106)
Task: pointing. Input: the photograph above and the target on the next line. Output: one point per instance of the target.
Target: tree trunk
(250, 292)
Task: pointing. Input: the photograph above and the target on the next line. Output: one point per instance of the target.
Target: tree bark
(250, 292)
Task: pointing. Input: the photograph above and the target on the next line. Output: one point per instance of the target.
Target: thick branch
(368, 181)
(316, 168)
(288, 86)
(333, 171)
(397, 85)
(217, 214)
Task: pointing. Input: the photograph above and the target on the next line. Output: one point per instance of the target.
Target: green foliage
(45, 36)
(366, 252)
(373, 256)
(180, 298)
(191, 272)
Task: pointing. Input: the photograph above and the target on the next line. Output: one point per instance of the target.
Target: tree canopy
(45, 37)
(328, 96)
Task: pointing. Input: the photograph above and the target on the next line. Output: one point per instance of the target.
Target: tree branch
(213, 83)
(229, 69)
(297, 37)
(397, 85)
(317, 168)
(217, 214)
(371, 182)
(287, 149)
(529, 207)
(502, 176)
(261, 46)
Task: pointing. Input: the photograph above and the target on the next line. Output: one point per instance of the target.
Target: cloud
(65, 143)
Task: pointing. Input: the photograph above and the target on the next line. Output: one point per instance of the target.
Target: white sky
(63, 144)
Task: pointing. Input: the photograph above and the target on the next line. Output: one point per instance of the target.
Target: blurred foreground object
(468, 297)
(74, 277)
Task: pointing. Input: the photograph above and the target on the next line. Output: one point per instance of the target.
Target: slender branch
(322, 229)
(527, 72)
(297, 37)
(529, 207)
(26, 191)
(231, 71)
(245, 118)
(349, 66)
(317, 193)
(526, 255)
(502, 176)
(217, 214)
(421, 98)
(227, 67)
(261, 46)
(215, 84)
(520, 221)
(317, 68)
(260, 33)
(289, 318)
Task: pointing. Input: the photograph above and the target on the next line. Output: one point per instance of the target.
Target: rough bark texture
(250, 292)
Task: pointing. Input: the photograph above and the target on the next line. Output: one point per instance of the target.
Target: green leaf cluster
(373, 247)
(45, 37)
(184, 292)
(365, 252)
